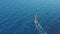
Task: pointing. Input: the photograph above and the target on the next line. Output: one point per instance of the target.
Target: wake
(38, 26)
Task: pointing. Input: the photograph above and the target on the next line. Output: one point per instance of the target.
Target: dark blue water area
(17, 16)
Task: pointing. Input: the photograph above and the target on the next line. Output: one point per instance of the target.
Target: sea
(17, 16)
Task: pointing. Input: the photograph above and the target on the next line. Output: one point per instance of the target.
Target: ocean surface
(17, 16)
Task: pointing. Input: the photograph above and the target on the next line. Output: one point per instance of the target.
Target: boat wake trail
(38, 26)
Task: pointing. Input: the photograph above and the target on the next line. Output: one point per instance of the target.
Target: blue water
(17, 16)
